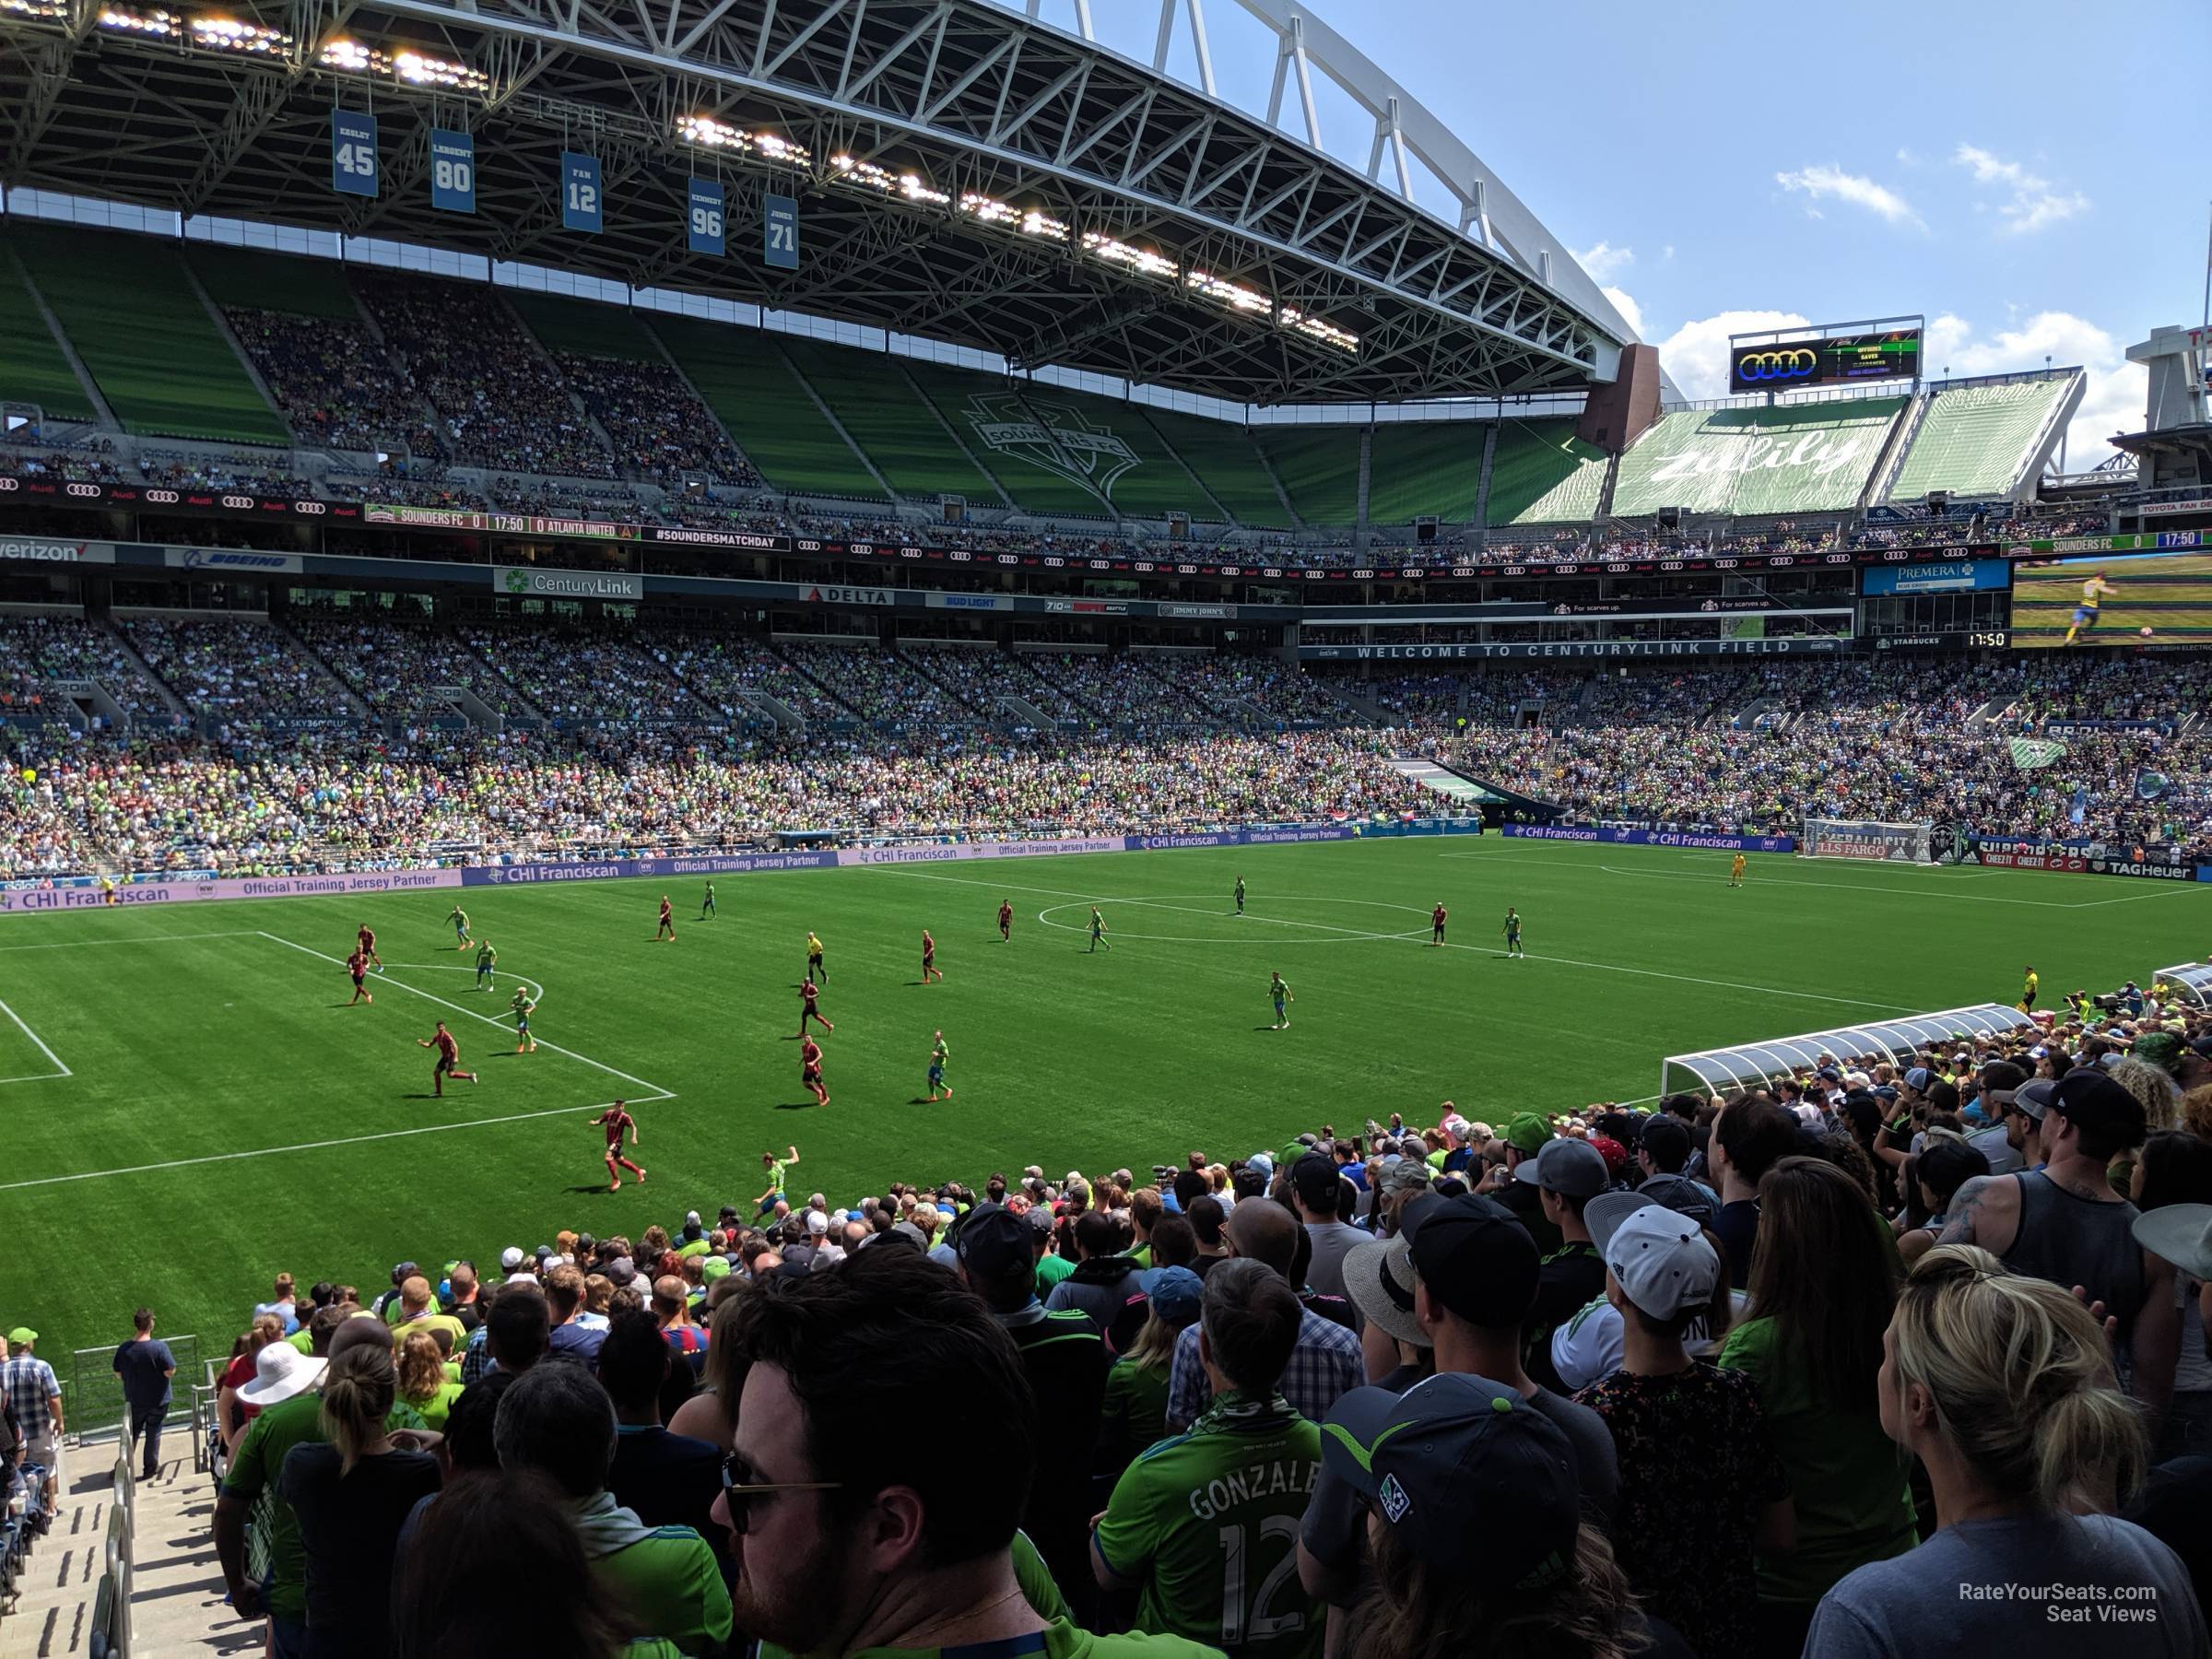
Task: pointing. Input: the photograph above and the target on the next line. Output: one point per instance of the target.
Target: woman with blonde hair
(422, 1380)
(350, 1495)
(2003, 1388)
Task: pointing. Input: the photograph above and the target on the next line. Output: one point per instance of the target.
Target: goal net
(1853, 838)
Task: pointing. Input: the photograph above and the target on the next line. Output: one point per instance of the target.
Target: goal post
(1857, 838)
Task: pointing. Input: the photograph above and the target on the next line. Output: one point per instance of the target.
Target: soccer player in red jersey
(614, 1119)
(1436, 923)
(449, 1060)
(808, 991)
(929, 959)
(367, 940)
(667, 927)
(356, 965)
(1006, 919)
(810, 1070)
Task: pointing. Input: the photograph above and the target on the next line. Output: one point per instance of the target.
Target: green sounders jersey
(485, 955)
(1208, 1524)
(775, 1172)
(254, 1470)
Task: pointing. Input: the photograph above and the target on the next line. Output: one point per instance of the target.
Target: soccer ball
(2144, 631)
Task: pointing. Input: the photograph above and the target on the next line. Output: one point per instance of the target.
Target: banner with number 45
(352, 153)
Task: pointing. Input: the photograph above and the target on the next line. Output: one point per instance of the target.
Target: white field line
(654, 1093)
(350, 1140)
(658, 1093)
(2159, 890)
(59, 1070)
(242, 933)
(1352, 935)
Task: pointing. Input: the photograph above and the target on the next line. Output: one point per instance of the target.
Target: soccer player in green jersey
(1278, 993)
(1204, 1526)
(1098, 929)
(939, 1054)
(1512, 933)
(522, 1007)
(1240, 895)
(706, 906)
(775, 1166)
(459, 918)
(487, 959)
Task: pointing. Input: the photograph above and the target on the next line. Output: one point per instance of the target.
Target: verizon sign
(40, 549)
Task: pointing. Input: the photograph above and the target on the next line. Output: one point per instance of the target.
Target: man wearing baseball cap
(1669, 1413)
(1478, 1517)
(1475, 1277)
(2066, 1223)
(36, 1394)
(1567, 1174)
(1525, 1136)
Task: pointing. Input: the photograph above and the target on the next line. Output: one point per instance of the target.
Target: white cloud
(1667, 252)
(1625, 303)
(2113, 402)
(1832, 183)
(1695, 354)
(1606, 260)
(1906, 157)
(2030, 201)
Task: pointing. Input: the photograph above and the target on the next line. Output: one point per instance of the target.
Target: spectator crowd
(1887, 1355)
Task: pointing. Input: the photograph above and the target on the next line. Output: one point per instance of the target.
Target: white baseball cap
(1662, 1262)
(510, 1258)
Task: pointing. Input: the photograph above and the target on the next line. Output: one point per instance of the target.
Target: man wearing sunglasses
(874, 1506)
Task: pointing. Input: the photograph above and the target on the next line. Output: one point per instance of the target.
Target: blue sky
(2034, 177)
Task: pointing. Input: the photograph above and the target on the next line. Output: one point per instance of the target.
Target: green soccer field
(190, 1107)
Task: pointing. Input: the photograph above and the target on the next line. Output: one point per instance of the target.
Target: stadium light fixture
(403, 63)
(41, 11)
(229, 34)
(709, 134)
(152, 25)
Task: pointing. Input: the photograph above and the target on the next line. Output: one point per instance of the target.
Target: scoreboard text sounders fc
(1761, 363)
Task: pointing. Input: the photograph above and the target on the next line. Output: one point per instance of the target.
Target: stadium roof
(963, 173)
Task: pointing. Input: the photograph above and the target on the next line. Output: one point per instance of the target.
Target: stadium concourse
(640, 744)
(1498, 1379)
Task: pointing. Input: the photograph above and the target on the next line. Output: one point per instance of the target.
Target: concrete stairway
(176, 1586)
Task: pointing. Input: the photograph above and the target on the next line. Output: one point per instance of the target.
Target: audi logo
(1008, 559)
(1837, 559)
(1670, 564)
(959, 557)
(82, 490)
(1186, 570)
(1054, 564)
(1140, 565)
(1725, 564)
(164, 497)
(910, 552)
(863, 549)
(235, 500)
(1776, 365)
(1780, 559)
(309, 507)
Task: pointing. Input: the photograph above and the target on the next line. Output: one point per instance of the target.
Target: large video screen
(1791, 365)
(2156, 599)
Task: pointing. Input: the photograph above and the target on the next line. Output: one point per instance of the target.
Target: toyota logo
(1776, 365)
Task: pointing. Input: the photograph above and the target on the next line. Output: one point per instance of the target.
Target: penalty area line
(52, 1059)
(489, 1019)
(347, 1140)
